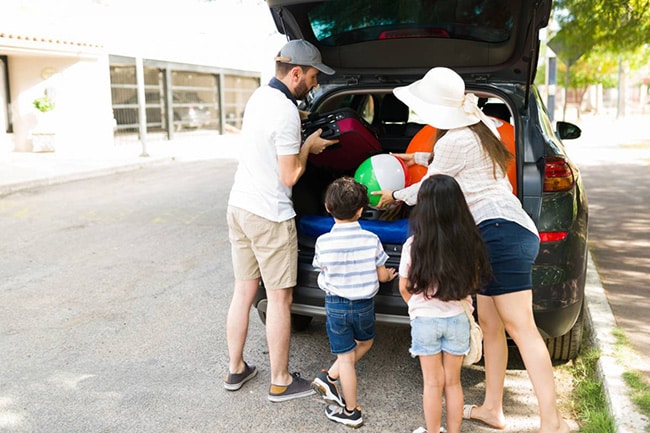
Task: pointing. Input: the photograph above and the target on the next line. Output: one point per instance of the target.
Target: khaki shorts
(263, 248)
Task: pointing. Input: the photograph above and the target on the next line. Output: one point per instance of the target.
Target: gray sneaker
(233, 382)
(298, 388)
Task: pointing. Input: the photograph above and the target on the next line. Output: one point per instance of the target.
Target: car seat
(396, 130)
(498, 110)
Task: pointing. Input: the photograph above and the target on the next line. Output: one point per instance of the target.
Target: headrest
(393, 110)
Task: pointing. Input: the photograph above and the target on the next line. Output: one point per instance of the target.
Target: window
(342, 22)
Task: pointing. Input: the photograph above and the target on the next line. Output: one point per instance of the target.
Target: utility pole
(142, 104)
(551, 85)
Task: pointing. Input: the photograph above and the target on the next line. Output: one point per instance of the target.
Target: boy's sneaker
(327, 389)
(235, 381)
(299, 387)
(340, 414)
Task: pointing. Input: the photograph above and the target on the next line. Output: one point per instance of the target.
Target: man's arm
(291, 167)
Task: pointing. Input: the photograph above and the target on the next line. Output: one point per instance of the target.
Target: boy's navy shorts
(348, 322)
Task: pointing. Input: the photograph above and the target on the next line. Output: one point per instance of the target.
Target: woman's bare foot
(477, 413)
(562, 427)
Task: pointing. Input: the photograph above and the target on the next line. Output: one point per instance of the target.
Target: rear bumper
(316, 311)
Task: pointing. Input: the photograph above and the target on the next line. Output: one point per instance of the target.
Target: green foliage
(44, 103)
(640, 390)
(597, 67)
(594, 36)
(616, 25)
(589, 397)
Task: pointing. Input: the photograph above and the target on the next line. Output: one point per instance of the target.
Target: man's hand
(315, 144)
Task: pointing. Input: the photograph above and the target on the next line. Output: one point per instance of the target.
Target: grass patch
(639, 388)
(589, 402)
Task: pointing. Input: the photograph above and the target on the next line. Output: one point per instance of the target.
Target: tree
(599, 30)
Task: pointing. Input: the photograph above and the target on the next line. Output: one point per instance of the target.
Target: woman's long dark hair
(447, 246)
(497, 150)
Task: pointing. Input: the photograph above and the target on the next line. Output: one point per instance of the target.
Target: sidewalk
(24, 170)
(20, 171)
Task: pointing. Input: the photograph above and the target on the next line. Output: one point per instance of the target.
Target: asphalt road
(614, 159)
(113, 296)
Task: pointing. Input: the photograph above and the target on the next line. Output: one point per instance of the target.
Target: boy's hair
(447, 246)
(344, 197)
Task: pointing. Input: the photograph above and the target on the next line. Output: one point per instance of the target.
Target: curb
(88, 173)
(600, 327)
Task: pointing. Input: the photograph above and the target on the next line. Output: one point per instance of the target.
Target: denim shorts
(512, 250)
(432, 335)
(348, 322)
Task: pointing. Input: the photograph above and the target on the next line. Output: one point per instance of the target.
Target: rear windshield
(341, 22)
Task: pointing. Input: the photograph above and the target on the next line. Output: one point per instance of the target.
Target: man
(261, 216)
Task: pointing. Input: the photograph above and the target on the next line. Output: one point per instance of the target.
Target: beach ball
(382, 172)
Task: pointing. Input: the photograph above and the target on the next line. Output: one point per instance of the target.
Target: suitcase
(389, 232)
(357, 140)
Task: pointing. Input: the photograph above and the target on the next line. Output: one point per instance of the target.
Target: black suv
(377, 45)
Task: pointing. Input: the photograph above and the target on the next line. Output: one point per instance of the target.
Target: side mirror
(567, 131)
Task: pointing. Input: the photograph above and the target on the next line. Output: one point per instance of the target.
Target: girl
(443, 263)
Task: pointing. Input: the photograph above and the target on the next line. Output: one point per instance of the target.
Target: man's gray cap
(303, 53)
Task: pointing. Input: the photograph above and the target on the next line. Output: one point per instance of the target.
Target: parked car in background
(375, 46)
(188, 112)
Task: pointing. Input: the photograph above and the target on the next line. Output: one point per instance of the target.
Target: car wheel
(566, 347)
(300, 323)
(262, 315)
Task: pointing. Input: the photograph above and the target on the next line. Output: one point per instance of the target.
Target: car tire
(262, 315)
(566, 347)
(300, 323)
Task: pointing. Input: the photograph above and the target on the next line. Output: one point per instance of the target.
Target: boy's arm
(385, 274)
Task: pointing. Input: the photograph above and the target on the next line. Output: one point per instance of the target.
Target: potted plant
(44, 133)
(44, 103)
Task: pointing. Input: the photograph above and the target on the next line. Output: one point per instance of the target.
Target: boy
(351, 261)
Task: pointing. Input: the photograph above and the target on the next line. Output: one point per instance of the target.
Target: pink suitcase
(357, 140)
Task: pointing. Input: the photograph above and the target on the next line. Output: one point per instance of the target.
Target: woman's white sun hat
(439, 99)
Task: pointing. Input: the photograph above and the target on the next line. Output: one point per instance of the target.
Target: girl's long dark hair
(447, 246)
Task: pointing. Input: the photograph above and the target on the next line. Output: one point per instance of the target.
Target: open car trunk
(396, 130)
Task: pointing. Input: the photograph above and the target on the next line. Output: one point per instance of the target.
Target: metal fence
(178, 98)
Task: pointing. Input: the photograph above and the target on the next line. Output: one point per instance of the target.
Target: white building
(196, 57)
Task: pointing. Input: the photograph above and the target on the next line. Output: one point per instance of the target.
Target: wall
(80, 88)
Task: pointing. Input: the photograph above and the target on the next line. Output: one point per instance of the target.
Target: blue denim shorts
(512, 250)
(348, 322)
(432, 335)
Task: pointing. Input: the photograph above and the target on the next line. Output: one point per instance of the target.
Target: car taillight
(552, 236)
(558, 175)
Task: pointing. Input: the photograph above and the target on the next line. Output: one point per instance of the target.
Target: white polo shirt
(271, 127)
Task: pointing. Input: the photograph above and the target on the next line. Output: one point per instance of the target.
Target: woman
(468, 148)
